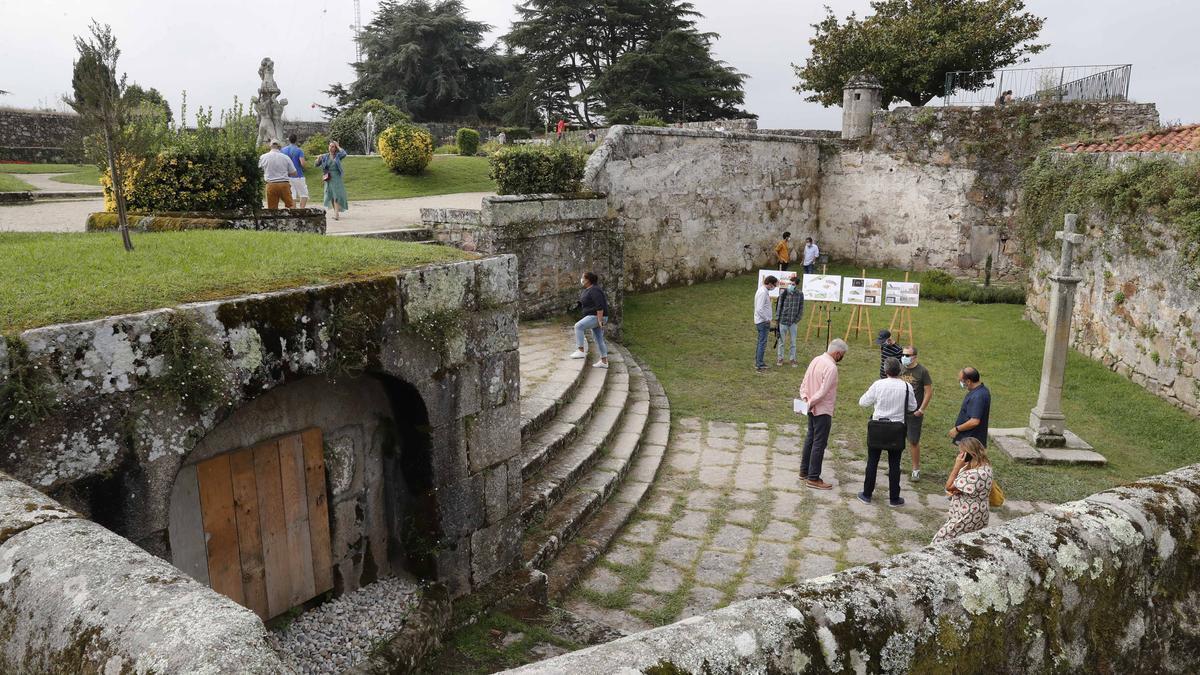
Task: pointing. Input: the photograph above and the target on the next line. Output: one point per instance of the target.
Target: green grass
(9, 183)
(55, 278)
(88, 175)
(44, 168)
(369, 178)
(699, 340)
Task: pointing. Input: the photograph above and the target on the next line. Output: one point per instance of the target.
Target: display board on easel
(784, 279)
(903, 295)
(821, 293)
(863, 294)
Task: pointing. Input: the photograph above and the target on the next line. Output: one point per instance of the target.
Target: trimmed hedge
(467, 141)
(406, 148)
(517, 133)
(938, 285)
(190, 181)
(650, 121)
(537, 169)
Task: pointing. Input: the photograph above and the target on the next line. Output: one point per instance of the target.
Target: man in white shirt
(762, 320)
(277, 171)
(892, 398)
(810, 255)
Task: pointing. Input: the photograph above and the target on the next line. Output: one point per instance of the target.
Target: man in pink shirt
(819, 390)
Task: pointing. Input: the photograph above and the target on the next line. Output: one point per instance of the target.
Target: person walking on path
(918, 377)
(888, 349)
(819, 391)
(783, 255)
(299, 187)
(561, 129)
(810, 255)
(789, 309)
(594, 306)
(277, 170)
(893, 399)
(335, 188)
(972, 420)
(969, 486)
(762, 321)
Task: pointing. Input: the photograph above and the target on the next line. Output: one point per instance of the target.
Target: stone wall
(39, 136)
(554, 238)
(129, 414)
(311, 221)
(77, 598)
(304, 129)
(697, 204)
(1107, 584)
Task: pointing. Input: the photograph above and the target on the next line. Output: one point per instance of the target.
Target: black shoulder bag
(886, 434)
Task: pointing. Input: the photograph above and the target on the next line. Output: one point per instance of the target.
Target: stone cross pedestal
(1046, 440)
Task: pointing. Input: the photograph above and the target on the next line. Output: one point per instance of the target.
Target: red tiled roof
(1171, 139)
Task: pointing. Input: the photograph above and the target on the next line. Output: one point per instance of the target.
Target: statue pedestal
(1022, 445)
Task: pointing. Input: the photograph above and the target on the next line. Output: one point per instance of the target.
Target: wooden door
(266, 523)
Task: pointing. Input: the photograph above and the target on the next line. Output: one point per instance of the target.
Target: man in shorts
(299, 187)
(918, 376)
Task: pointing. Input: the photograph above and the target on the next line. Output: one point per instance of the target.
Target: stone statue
(268, 105)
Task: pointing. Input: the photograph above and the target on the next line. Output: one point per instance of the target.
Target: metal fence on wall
(1038, 85)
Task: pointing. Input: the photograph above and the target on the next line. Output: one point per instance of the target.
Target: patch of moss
(25, 395)
(193, 363)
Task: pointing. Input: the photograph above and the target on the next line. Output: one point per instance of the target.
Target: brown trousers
(278, 191)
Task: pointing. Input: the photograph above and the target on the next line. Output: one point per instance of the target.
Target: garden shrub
(535, 169)
(467, 141)
(446, 150)
(406, 148)
(316, 145)
(650, 122)
(349, 128)
(517, 133)
(490, 148)
(938, 285)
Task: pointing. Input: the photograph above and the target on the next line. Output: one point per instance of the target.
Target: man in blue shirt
(299, 186)
(972, 419)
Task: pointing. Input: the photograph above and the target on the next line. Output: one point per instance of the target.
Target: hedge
(406, 148)
(938, 285)
(467, 141)
(537, 169)
(190, 181)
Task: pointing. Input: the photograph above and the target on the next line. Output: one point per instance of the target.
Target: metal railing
(1037, 85)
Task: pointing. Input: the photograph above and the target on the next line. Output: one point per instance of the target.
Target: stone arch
(375, 444)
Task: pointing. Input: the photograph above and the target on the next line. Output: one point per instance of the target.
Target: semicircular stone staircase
(592, 442)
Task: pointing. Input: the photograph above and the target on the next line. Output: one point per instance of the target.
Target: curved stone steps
(571, 511)
(546, 346)
(591, 540)
(569, 419)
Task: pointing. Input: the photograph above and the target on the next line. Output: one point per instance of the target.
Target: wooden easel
(901, 323)
(860, 317)
(822, 314)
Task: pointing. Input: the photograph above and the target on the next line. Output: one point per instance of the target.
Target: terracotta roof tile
(1172, 139)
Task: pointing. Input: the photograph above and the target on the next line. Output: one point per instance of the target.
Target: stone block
(343, 461)
(493, 436)
(495, 492)
(22, 507)
(491, 332)
(454, 566)
(494, 549)
(434, 291)
(467, 383)
(497, 278)
(448, 447)
(461, 506)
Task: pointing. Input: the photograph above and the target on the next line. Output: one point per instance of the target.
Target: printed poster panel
(903, 293)
(822, 287)
(785, 279)
(859, 291)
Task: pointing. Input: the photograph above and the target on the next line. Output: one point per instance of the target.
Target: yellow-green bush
(202, 181)
(406, 148)
(316, 145)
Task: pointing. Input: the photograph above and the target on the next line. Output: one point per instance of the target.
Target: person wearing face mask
(916, 375)
(593, 305)
(819, 391)
(972, 421)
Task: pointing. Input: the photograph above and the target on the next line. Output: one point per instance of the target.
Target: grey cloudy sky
(211, 48)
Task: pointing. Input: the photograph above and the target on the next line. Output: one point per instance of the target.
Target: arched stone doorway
(315, 486)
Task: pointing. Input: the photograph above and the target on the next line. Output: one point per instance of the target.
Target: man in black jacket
(594, 306)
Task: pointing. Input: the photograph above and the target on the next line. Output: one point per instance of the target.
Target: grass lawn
(369, 178)
(44, 168)
(699, 340)
(88, 175)
(10, 183)
(54, 278)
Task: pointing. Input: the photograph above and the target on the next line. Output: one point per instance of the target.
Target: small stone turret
(861, 97)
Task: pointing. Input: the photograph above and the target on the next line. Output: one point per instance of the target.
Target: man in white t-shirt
(810, 255)
(277, 171)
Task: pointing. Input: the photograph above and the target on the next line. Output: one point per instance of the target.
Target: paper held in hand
(799, 406)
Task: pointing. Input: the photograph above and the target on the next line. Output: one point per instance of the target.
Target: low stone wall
(76, 598)
(1107, 584)
(311, 221)
(303, 129)
(131, 411)
(555, 239)
(39, 136)
(697, 204)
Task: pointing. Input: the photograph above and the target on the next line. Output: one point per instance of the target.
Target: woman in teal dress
(335, 189)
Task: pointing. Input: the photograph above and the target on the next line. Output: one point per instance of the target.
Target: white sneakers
(916, 475)
(578, 354)
(600, 364)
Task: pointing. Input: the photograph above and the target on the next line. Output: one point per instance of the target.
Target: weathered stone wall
(697, 205)
(554, 238)
(442, 340)
(1107, 584)
(1137, 313)
(939, 187)
(77, 598)
(303, 129)
(311, 221)
(39, 136)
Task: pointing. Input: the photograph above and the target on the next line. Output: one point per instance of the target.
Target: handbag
(996, 495)
(888, 435)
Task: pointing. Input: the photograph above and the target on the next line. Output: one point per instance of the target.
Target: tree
(569, 46)
(99, 99)
(910, 45)
(425, 58)
(136, 96)
(349, 128)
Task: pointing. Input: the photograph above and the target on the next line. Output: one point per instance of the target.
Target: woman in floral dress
(969, 486)
(335, 189)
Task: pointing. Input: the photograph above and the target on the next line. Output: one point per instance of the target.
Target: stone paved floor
(728, 519)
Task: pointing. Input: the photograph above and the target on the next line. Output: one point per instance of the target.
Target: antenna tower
(357, 28)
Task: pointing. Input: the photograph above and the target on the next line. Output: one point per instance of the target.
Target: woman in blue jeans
(594, 306)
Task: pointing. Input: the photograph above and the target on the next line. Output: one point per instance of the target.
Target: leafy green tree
(426, 58)
(910, 45)
(135, 96)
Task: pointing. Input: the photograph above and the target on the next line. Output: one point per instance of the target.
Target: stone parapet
(1106, 584)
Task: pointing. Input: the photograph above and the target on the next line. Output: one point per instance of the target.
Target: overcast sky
(211, 48)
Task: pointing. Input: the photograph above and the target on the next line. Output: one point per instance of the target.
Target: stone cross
(1047, 422)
